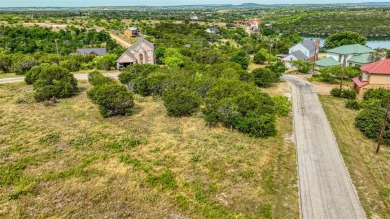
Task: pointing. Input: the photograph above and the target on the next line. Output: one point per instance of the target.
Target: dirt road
(326, 190)
(119, 40)
(77, 76)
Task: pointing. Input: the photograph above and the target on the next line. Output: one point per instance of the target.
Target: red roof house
(376, 74)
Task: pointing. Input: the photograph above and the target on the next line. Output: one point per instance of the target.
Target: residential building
(307, 50)
(374, 75)
(355, 54)
(309, 47)
(92, 51)
(238, 23)
(131, 32)
(141, 52)
(327, 62)
(296, 55)
(194, 18)
(254, 22)
(213, 30)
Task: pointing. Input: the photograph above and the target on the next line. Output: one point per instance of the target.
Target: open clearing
(67, 161)
(370, 173)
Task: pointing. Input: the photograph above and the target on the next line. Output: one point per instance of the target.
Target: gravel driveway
(326, 190)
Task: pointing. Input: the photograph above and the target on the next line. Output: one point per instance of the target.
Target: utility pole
(58, 55)
(343, 70)
(382, 133)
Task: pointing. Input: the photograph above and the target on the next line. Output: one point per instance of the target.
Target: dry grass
(370, 173)
(253, 66)
(67, 161)
(9, 75)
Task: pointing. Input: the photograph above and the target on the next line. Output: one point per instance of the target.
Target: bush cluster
(181, 101)
(228, 92)
(381, 94)
(353, 104)
(112, 98)
(52, 81)
(370, 120)
(344, 93)
(266, 77)
(96, 78)
(241, 106)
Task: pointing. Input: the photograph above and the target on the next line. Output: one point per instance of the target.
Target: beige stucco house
(131, 32)
(374, 75)
(141, 52)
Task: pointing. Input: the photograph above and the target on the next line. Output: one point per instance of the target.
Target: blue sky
(83, 3)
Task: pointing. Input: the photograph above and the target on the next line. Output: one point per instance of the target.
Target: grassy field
(370, 173)
(67, 161)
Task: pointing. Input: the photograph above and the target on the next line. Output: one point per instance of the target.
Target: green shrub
(241, 58)
(241, 106)
(112, 99)
(142, 87)
(370, 120)
(71, 65)
(282, 105)
(264, 77)
(54, 81)
(371, 103)
(382, 94)
(97, 78)
(181, 101)
(33, 74)
(21, 65)
(105, 62)
(348, 94)
(302, 66)
(352, 104)
(336, 92)
(126, 77)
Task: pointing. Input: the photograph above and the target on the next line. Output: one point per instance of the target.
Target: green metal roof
(328, 62)
(351, 49)
(361, 59)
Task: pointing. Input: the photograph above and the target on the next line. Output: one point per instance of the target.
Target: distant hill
(209, 6)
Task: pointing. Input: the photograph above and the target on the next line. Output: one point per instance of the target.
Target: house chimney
(317, 50)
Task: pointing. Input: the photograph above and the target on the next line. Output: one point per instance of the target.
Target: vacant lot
(67, 161)
(370, 173)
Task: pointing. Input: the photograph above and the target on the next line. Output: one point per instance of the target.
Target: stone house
(141, 52)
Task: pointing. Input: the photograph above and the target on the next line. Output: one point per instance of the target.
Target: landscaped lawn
(67, 161)
(370, 173)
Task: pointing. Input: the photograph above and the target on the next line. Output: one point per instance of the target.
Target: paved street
(326, 190)
(77, 76)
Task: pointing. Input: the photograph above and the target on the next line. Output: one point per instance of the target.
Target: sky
(86, 3)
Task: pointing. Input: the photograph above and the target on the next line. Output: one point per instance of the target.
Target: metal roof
(359, 83)
(328, 62)
(380, 67)
(87, 51)
(300, 55)
(361, 59)
(351, 49)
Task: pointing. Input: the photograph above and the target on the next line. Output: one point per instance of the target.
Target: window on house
(364, 76)
(388, 80)
(141, 58)
(150, 53)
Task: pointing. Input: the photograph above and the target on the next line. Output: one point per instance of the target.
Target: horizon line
(242, 4)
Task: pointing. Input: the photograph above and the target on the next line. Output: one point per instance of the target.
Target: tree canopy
(344, 38)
